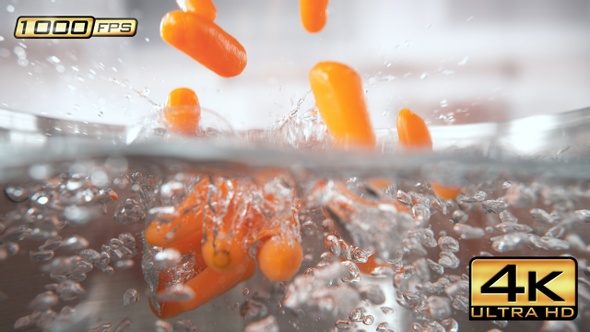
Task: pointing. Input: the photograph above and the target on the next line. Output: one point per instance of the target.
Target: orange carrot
(412, 131)
(414, 134)
(222, 247)
(280, 257)
(313, 14)
(183, 111)
(205, 8)
(209, 284)
(204, 41)
(189, 221)
(445, 192)
(339, 95)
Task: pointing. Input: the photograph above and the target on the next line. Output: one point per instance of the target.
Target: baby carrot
(412, 131)
(204, 41)
(206, 8)
(183, 111)
(414, 134)
(339, 96)
(189, 221)
(313, 14)
(209, 284)
(445, 192)
(280, 257)
(222, 245)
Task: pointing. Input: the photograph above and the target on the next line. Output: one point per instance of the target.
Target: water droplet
(438, 307)
(459, 217)
(10, 8)
(421, 214)
(332, 244)
(252, 309)
(75, 243)
(461, 303)
(44, 301)
(130, 213)
(69, 290)
(352, 273)
(185, 325)
(508, 242)
(447, 243)
(356, 315)
(382, 327)
(494, 206)
(167, 258)
(435, 266)
(17, 194)
(387, 310)
(24, 322)
(178, 292)
(101, 328)
(163, 326)
(344, 324)
(123, 325)
(372, 293)
(368, 320)
(449, 260)
(468, 232)
(268, 324)
(41, 256)
(130, 297)
(89, 255)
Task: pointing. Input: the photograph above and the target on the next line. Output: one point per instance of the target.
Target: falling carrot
(339, 95)
(313, 14)
(205, 8)
(414, 134)
(183, 111)
(204, 41)
(412, 131)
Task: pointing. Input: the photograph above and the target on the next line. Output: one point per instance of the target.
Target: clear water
(73, 256)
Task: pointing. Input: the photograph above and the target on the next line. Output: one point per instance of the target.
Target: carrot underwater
(313, 14)
(414, 134)
(339, 95)
(203, 40)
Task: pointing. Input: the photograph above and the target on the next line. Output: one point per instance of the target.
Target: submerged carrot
(205, 8)
(204, 41)
(183, 111)
(339, 95)
(280, 258)
(210, 284)
(414, 134)
(189, 221)
(313, 14)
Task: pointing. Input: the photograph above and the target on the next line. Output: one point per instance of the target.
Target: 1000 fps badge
(523, 288)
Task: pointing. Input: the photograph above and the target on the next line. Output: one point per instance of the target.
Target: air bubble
(185, 325)
(372, 293)
(252, 309)
(494, 206)
(163, 326)
(130, 297)
(44, 301)
(178, 292)
(447, 243)
(268, 324)
(344, 324)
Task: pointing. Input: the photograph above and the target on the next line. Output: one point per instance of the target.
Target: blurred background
(452, 61)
